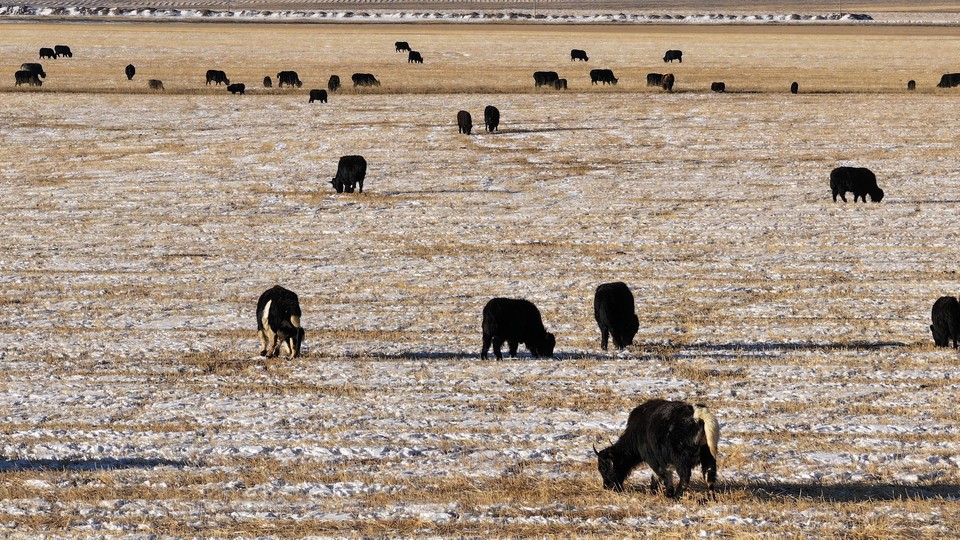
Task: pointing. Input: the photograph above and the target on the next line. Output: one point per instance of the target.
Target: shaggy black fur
(946, 321)
(515, 321)
(613, 309)
(282, 324)
(859, 180)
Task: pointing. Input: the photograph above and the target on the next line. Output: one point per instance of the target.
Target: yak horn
(595, 450)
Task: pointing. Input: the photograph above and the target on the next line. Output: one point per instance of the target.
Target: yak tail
(295, 321)
(711, 427)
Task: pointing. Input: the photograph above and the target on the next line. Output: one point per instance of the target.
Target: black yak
(35, 68)
(613, 309)
(578, 54)
(672, 55)
(289, 78)
(541, 78)
(130, 71)
(364, 79)
(155, 84)
(667, 82)
(47, 52)
(515, 321)
(402, 46)
(267, 82)
(667, 435)
(946, 321)
(859, 180)
(63, 50)
(318, 95)
(333, 84)
(948, 80)
(217, 76)
(27, 77)
(278, 322)
(718, 87)
(414, 57)
(491, 118)
(237, 88)
(794, 88)
(351, 170)
(560, 84)
(464, 122)
(604, 76)
(911, 85)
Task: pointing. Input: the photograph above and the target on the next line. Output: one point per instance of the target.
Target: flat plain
(140, 227)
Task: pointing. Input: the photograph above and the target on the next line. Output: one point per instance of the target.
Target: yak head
(337, 185)
(876, 195)
(544, 347)
(629, 331)
(611, 472)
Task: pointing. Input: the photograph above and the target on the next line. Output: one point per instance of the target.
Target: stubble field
(139, 229)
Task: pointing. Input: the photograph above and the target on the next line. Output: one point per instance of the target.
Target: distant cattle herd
(668, 436)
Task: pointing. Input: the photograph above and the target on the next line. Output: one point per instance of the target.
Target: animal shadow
(100, 464)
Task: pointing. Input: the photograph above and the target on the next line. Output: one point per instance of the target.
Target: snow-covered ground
(140, 229)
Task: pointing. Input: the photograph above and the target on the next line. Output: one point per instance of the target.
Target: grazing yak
(62, 50)
(794, 88)
(130, 71)
(718, 87)
(351, 170)
(911, 85)
(464, 122)
(542, 78)
(491, 118)
(237, 88)
(667, 82)
(515, 321)
(47, 52)
(654, 79)
(861, 181)
(948, 80)
(577, 54)
(217, 76)
(402, 46)
(278, 322)
(672, 55)
(155, 84)
(364, 79)
(946, 321)
(289, 78)
(604, 76)
(334, 83)
(27, 77)
(267, 82)
(318, 95)
(34, 67)
(667, 435)
(414, 57)
(614, 311)
(560, 84)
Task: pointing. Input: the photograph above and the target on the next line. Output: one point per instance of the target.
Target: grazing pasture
(140, 228)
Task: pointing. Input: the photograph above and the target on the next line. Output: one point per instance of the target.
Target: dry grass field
(140, 227)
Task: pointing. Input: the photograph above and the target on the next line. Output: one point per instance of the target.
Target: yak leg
(843, 196)
(514, 345)
(666, 477)
(604, 337)
(683, 474)
(486, 346)
(497, 347)
(361, 186)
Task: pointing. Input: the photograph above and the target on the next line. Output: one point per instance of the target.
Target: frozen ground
(140, 229)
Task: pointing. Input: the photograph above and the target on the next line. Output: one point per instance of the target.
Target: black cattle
(911, 84)
(794, 88)
(560, 84)
(236, 88)
(414, 57)
(672, 55)
(318, 95)
(47, 52)
(578, 54)
(946, 321)
(654, 79)
(364, 79)
(515, 322)
(718, 87)
(334, 83)
(665, 435)
(130, 71)
(62, 50)
(217, 76)
(604, 76)
(155, 84)
(289, 78)
(27, 77)
(278, 322)
(541, 78)
(613, 309)
(859, 180)
(667, 82)
(948, 80)
(491, 118)
(402, 46)
(464, 122)
(34, 67)
(351, 170)
(267, 82)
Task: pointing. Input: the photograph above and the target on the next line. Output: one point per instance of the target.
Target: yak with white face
(278, 322)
